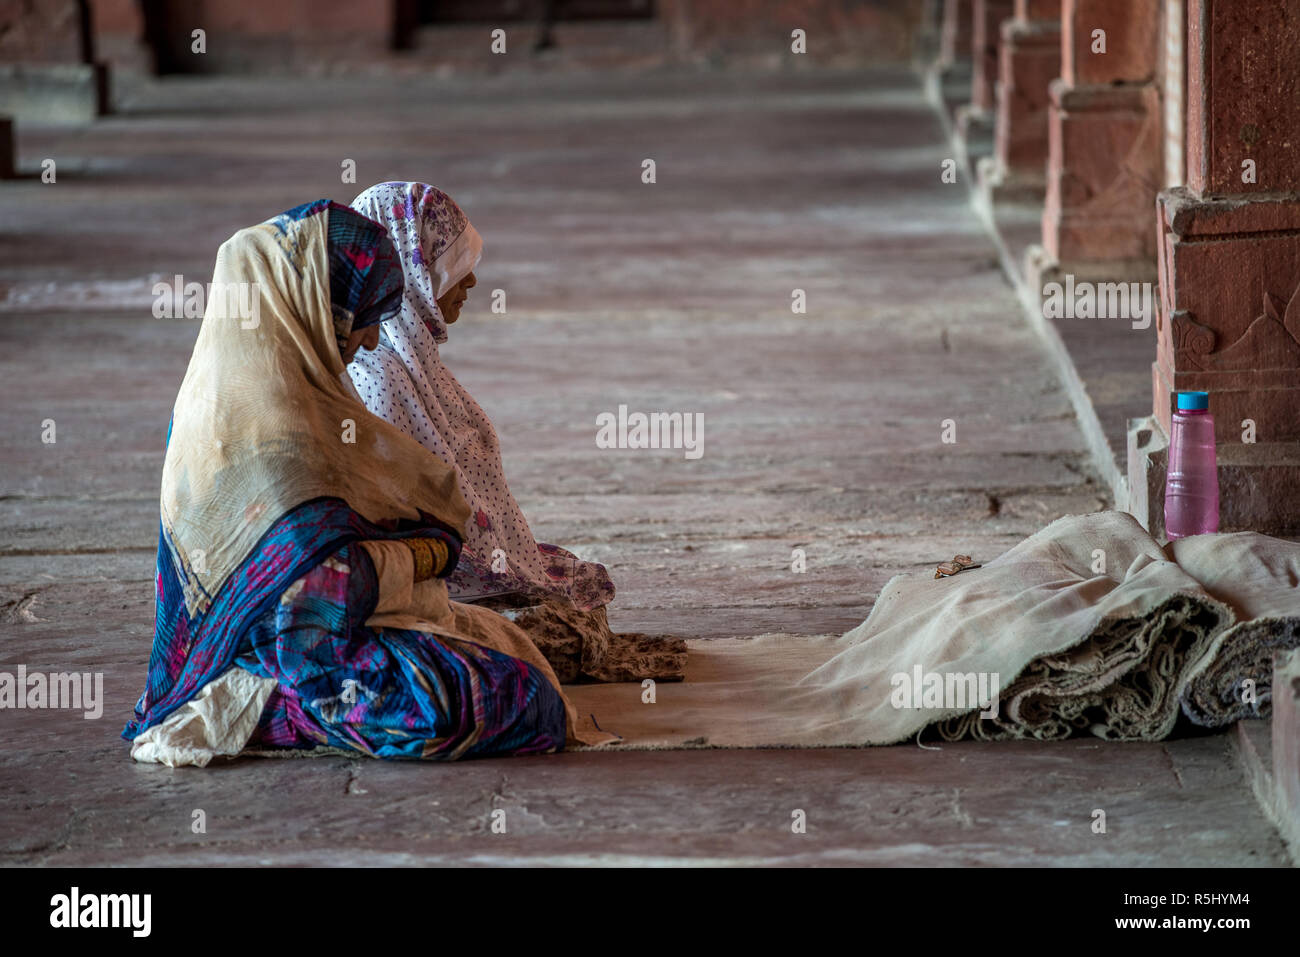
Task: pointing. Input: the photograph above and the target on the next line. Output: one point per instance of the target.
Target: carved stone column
(955, 33)
(48, 68)
(1029, 59)
(975, 121)
(985, 36)
(1229, 263)
(1104, 140)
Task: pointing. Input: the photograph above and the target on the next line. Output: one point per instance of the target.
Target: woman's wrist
(429, 556)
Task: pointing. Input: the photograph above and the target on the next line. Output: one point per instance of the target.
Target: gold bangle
(430, 556)
(423, 558)
(438, 549)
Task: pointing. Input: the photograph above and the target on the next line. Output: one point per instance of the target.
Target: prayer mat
(1087, 627)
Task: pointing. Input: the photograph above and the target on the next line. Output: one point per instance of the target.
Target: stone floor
(1110, 359)
(822, 432)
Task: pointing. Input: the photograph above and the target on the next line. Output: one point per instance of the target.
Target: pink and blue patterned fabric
(388, 693)
(366, 281)
(407, 694)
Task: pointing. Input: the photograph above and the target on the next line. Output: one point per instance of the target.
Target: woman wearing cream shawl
(304, 543)
(558, 598)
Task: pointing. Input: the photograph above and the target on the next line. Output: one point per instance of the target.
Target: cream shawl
(266, 420)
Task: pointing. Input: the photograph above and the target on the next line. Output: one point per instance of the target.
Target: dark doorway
(459, 11)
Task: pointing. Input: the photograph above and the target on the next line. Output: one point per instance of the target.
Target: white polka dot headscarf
(435, 240)
(405, 382)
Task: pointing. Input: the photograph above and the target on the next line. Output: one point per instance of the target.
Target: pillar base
(1041, 268)
(1103, 172)
(1257, 483)
(956, 73)
(1002, 185)
(973, 130)
(948, 89)
(1029, 60)
(55, 93)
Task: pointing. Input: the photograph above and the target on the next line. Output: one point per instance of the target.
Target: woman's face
(367, 337)
(449, 302)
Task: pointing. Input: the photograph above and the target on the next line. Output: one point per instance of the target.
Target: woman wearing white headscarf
(558, 598)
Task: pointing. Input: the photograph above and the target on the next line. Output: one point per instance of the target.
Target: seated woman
(304, 543)
(558, 598)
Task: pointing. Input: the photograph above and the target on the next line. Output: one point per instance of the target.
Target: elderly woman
(558, 598)
(305, 544)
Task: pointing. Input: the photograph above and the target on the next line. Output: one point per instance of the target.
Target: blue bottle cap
(1193, 401)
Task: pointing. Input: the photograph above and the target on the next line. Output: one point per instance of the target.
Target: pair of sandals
(959, 563)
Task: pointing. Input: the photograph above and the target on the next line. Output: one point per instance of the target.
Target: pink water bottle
(1192, 484)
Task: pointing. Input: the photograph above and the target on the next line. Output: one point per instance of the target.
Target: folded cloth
(1257, 577)
(1087, 627)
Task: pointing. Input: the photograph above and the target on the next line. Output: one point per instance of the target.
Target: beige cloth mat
(1118, 649)
(738, 692)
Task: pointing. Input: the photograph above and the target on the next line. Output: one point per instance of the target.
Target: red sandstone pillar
(955, 33)
(48, 71)
(1228, 321)
(974, 121)
(118, 30)
(985, 35)
(1029, 59)
(1104, 139)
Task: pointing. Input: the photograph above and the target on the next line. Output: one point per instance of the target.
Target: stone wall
(838, 31)
(48, 69)
(44, 32)
(316, 36)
